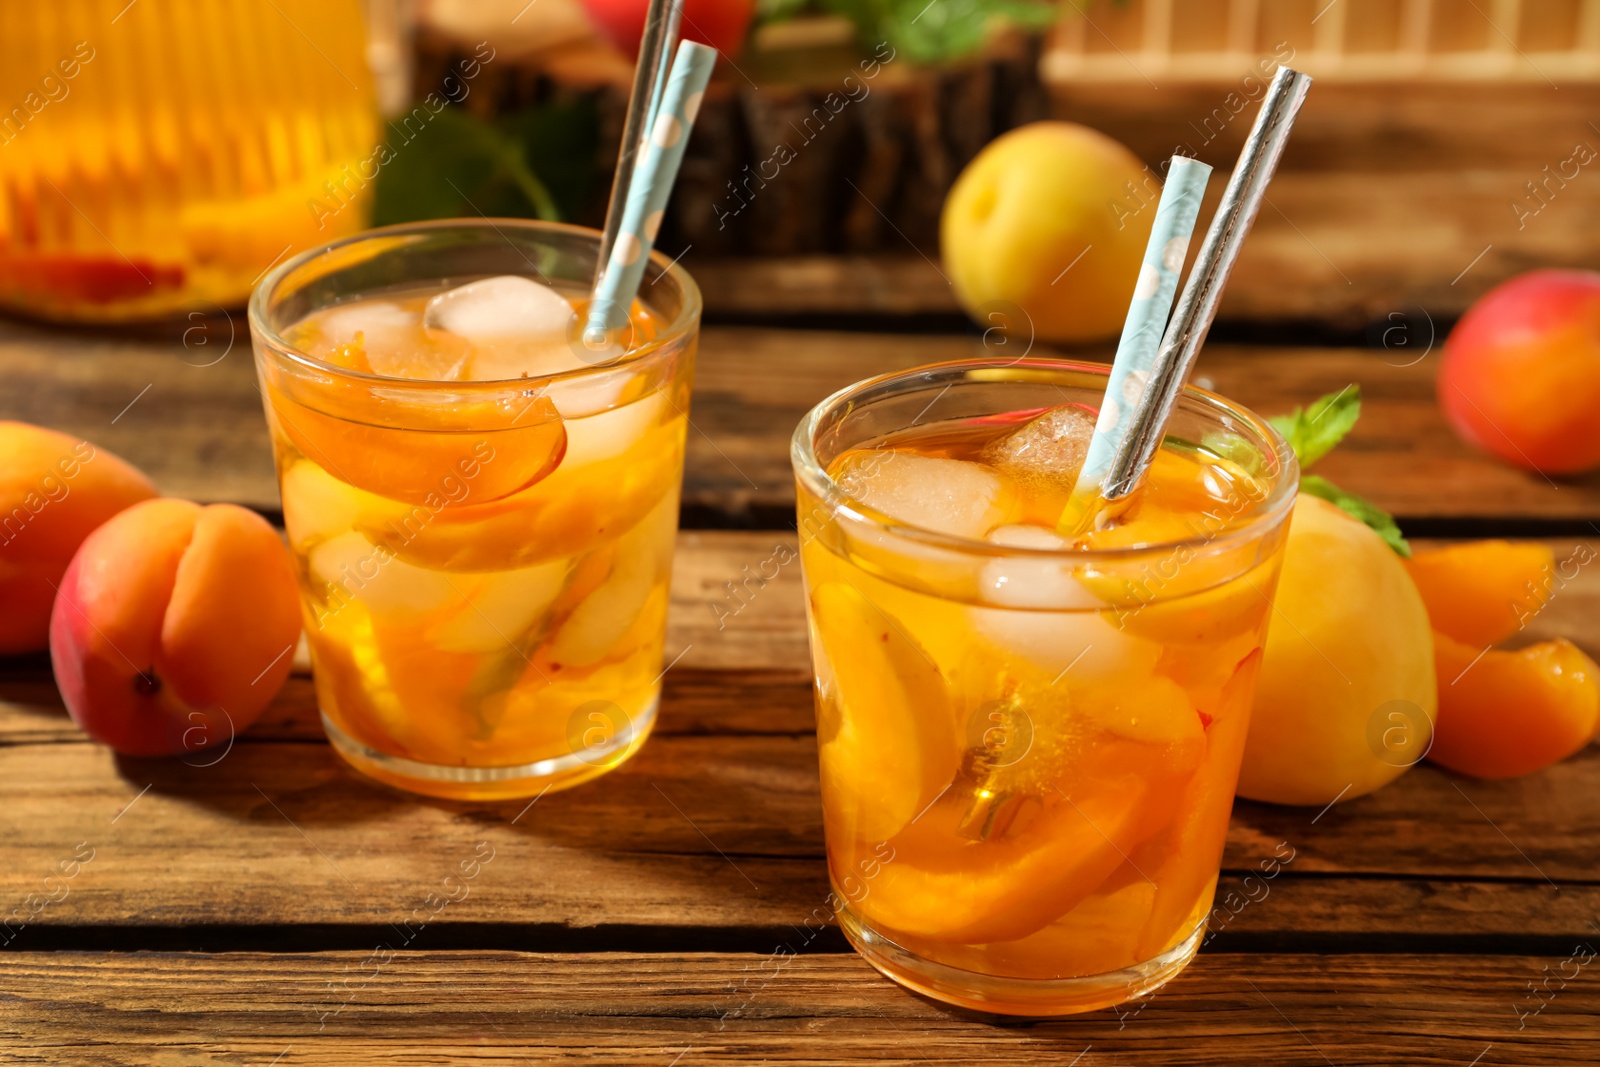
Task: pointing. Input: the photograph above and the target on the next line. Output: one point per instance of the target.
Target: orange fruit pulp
(990, 806)
(484, 583)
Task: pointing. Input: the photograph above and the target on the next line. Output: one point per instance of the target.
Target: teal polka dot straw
(1147, 319)
(652, 182)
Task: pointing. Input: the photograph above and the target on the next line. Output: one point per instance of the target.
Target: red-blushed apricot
(1520, 377)
(54, 489)
(174, 626)
(1482, 592)
(1504, 714)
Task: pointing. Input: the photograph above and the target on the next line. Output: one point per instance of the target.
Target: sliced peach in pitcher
(434, 466)
(887, 736)
(1503, 714)
(1482, 592)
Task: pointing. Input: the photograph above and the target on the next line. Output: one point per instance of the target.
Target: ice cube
(1081, 647)
(391, 341)
(1048, 449)
(951, 496)
(353, 568)
(518, 328)
(611, 433)
(501, 608)
(381, 321)
(1081, 642)
(1022, 582)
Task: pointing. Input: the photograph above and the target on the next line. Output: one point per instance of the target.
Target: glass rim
(1252, 524)
(683, 324)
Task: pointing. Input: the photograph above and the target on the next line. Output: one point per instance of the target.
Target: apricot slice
(942, 886)
(1482, 592)
(432, 465)
(1183, 861)
(887, 739)
(173, 619)
(1503, 714)
(54, 490)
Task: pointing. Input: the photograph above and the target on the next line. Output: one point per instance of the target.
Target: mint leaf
(938, 31)
(458, 164)
(1381, 521)
(1314, 431)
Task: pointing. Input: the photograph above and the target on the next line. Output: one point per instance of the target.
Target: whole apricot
(1346, 698)
(1052, 218)
(54, 489)
(1520, 377)
(175, 626)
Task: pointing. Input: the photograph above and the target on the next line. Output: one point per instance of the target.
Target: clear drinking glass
(1029, 746)
(484, 565)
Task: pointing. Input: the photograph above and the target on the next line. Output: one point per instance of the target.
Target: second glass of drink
(482, 511)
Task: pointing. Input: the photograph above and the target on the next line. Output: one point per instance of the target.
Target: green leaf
(1380, 521)
(457, 164)
(936, 31)
(1313, 432)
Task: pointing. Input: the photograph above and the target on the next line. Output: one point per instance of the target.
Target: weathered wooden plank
(720, 830)
(732, 770)
(1340, 247)
(198, 431)
(511, 1007)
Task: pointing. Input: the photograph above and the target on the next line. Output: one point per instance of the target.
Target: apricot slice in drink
(1503, 714)
(1183, 861)
(887, 738)
(1482, 592)
(944, 886)
(436, 466)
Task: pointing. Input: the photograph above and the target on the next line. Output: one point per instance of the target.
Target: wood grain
(198, 431)
(716, 824)
(514, 1007)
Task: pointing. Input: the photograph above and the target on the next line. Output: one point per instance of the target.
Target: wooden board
(714, 830)
(500, 1007)
(199, 432)
(1390, 198)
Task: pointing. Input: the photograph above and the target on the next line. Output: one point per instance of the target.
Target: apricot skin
(1520, 377)
(1482, 592)
(1505, 714)
(54, 490)
(174, 626)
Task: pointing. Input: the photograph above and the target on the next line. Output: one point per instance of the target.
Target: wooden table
(272, 908)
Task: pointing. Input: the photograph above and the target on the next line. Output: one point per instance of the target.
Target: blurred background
(156, 157)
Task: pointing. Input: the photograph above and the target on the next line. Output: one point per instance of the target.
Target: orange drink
(160, 155)
(482, 510)
(1029, 743)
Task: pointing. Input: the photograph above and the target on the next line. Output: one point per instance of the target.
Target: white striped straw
(647, 195)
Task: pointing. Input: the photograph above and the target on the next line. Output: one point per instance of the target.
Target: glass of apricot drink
(481, 508)
(1029, 740)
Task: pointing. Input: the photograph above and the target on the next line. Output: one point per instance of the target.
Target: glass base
(454, 782)
(1029, 997)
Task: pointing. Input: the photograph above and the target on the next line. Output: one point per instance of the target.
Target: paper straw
(648, 193)
(1241, 201)
(1147, 318)
(660, 37)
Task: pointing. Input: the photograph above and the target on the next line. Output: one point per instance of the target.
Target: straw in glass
(1181, 194)
(649, 78)
(1241, 201)
(647, 194)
